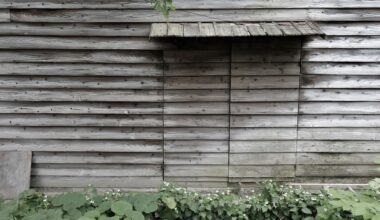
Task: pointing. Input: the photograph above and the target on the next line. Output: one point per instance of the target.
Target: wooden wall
(97, 101)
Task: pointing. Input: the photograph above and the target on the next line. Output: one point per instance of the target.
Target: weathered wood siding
(97, 101)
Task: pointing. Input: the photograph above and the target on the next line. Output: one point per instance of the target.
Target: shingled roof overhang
(234, 29)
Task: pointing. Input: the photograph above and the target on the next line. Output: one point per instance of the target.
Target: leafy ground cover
(272, 201)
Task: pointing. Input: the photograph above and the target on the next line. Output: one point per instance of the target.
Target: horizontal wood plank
(262, 121)
(348, 121)
(352, 107)
(262, 146)
(196, 146)
(136, 146)
(89, 108)
(52, 82)
(338, 146)
(74, 29)
(348, 95)
(80, 133)
(270, 108)
(339, 134)
(263, 134)
(83, 43)
(80, 69)
(341, 68)
(317, 81)
(262, 158)
(81, 95)
(50, 56)
(46, 120)
(265, 82)
(267, 95)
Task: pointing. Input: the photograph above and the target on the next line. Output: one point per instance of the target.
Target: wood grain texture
(80, 69)
(135, 146)
(79, 43)
(186, 4)
(48, 56)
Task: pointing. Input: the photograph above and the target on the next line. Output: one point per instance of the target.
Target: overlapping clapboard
(234, 29)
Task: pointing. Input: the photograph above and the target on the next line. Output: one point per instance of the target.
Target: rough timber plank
(341, 55)
(345, 108)
(80, 69)
(338, 159)
(78, 43)
(80, 108)
(347, 95)
(338, 146)
(14, 172)
(350, 28)
(186, 4)
(348, 121)
(271, 95)
(74, 29)
(70, 159)
(325, 81)
(52, 82)
(336, 171)
(262, 158)
(262, 171)
(196, 146)
(215, 108)
(111, 182)
(136, 146)
(283, 108)
(339, 134)
(45, 120)
(263, 146)
(341, 68)
(265, 82)
(51, 56)
(361, 42)
(81, 95)
(80, 133)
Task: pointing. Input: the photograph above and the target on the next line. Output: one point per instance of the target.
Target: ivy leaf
(170, 202)
(92, 214)
(121, 208)
(69, 201)
(306, 211)
(85, 218)
(136, 216)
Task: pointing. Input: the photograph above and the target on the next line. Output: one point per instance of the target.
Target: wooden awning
(234, 29)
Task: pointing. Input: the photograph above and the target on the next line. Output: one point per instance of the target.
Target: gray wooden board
(341, 68)
(70, 158)
(339, 107)
(186, 4)
(49, 145)
(81, 95)
(81, 120)
(80, 69)
(73, 56)
(80, 133)
(102, 43)
(14, 172)
(231, 15)
(89, 108)
(53, 82)
(74, 29)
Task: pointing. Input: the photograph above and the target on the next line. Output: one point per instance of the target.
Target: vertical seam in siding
(229, 111)
(163, 115)
(298, 109)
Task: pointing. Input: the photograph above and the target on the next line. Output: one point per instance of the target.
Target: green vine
(163, 6)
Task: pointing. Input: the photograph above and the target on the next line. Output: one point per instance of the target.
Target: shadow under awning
(214, 29)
